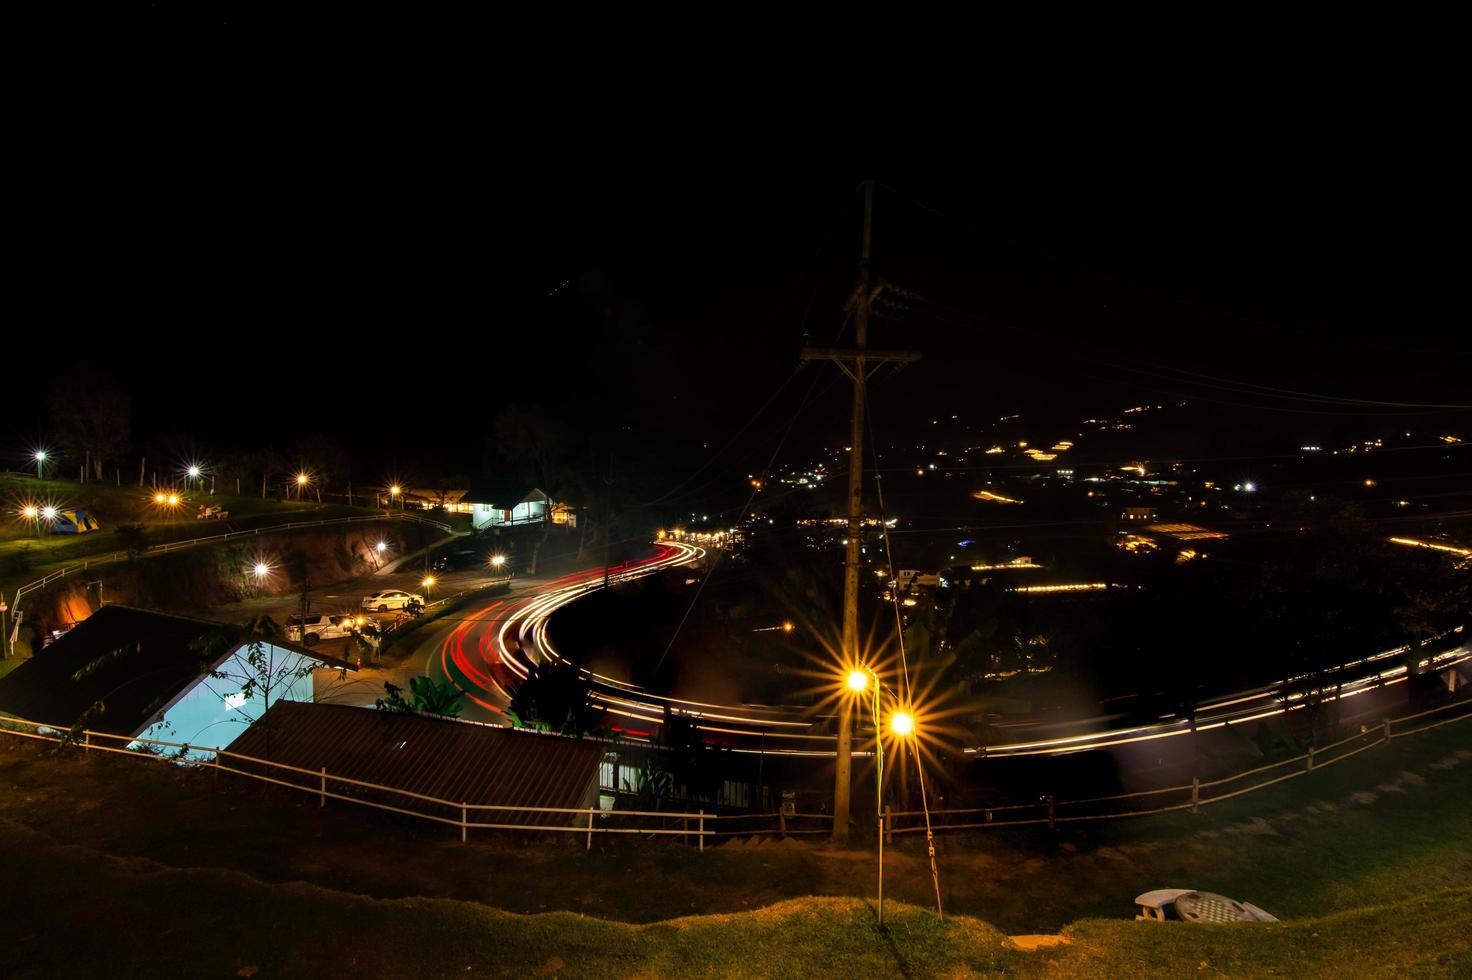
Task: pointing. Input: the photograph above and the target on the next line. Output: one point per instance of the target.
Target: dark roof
(457, 761)
(139, 660)
(503, 494)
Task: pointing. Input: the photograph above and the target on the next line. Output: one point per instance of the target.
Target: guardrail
(169, 547)
(590, 821)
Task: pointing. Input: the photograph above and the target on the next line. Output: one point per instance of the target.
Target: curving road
(494, 645)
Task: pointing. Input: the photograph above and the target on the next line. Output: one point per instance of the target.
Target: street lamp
(40, 462)
(902, 725)
(32, 513)
(394, 493)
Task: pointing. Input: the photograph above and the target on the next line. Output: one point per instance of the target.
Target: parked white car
(318, 628)
(391, 599)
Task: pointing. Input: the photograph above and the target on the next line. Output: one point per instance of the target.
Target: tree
(430, 697)
(133, 538)
(92, 414)
(540, 449)
(555, 697)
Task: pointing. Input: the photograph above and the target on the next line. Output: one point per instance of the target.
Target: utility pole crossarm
(842, 355)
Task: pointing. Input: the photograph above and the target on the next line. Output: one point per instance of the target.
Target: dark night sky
(250, 275)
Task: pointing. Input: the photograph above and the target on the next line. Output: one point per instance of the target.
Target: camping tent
(74, 522)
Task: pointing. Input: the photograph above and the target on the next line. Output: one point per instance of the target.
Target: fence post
(590, 829)
(1195, 794)
(1388, 736)
(86, 740)
(888, 825)
(1310, 758)
(1051, 825)
(462, 823)
(322, 790)
(782, 822)
(702, 830)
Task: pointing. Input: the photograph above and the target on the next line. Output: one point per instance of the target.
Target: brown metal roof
(450, 760)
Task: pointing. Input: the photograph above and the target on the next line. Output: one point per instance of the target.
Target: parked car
(391, 599)
(318, 628)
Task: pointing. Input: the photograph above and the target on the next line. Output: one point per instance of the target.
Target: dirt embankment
(212, 575)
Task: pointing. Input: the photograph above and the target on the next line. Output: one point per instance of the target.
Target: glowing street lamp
(31, 512)
(902, 725)
(261, 570)
(381, 547)
(395, 492)
(40, 458)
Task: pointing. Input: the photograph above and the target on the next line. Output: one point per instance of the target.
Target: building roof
(456, 761)
(502, 494)
(129, 663)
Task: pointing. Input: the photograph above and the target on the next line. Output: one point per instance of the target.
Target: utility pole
(858, 363)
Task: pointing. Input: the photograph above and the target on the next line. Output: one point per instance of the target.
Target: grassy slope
(1310, 846)
(142, 919)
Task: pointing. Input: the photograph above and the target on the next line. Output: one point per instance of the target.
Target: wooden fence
(700, 825)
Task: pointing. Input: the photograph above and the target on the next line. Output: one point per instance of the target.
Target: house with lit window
(513, 503)
(139, 673)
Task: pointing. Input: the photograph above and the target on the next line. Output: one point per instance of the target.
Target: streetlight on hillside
(31, 512)
(40, 458)
(901, 725)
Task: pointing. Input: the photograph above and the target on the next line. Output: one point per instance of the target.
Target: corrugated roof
(125, 662)
(447, 759)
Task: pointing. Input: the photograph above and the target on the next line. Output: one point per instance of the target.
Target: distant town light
(1249, 487)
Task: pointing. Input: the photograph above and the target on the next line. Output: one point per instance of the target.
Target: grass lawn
(1387, 824)
(24, 558)
(71, 911)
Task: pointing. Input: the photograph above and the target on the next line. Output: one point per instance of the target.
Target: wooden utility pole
(858, 363)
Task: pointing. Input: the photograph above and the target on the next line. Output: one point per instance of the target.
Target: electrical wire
(766, 473)
(899, 627)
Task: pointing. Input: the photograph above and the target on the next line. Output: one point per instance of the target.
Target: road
(489, 647)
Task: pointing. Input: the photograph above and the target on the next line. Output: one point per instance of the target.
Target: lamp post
(902, 724)
(32, 513)
(301, 484)
(498, 562)
(394, 493)
(40, 462)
